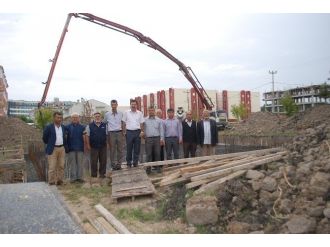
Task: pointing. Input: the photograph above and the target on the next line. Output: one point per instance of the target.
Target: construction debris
(211, 171)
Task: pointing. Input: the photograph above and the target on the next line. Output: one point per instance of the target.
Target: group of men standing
(159, 134)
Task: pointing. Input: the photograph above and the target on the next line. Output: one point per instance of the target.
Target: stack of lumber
(209, 172)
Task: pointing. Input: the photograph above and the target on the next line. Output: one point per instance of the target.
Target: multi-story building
(3, 93)
(304, 97)
(17, 108)
(188, 99)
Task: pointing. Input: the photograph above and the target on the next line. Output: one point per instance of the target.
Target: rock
(256, 185)
(316, 211)
(286, 206)
(266, 198)
(300, 224)
(202, 210)
(304, 168)
(254, 175)
(237, 227)
(319, 184)
(86, 186)
(308, 158)
(269, 184)
(326, 212)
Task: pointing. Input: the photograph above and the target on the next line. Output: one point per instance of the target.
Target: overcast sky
(227, 50)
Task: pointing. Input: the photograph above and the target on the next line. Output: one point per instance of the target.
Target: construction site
(270, 173)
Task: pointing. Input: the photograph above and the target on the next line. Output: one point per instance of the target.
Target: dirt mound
(13, 131)
(269, 124)
(293, 196)
(310, 118)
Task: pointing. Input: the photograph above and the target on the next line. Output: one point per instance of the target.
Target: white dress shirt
(207, 131)
(59, 135)
(133, 120)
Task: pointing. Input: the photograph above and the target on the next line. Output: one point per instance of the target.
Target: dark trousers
(99, 155)
(172, 145)
(161, 154)
(133, 143)
(152, 145)
(189, 148)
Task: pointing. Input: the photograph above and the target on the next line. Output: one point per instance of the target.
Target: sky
(228, 50)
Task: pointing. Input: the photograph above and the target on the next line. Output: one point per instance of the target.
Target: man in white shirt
(115, 135)
(133, 129)
(207, 134)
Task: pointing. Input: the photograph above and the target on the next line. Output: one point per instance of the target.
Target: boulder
(326, 212)
(269, 184)
(256, 185)
(319, 184)
(237, 227)
(254, 175)
(316, 211)
(202, 210)
(300, 224)
(286, 206)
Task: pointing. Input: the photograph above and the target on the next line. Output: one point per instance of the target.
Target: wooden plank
(175, 181)
(249, 165)
(105, 224)
(170, 177)
(210, 187)
(96, 225)
(206, 158)
(112, 219)
(132, 188)
(223, 166)
(89, 229)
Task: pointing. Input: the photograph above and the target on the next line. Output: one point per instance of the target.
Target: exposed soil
(14, 131)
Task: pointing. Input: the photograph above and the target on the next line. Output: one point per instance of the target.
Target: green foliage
(290, 107)
(325, 91)
(137, 214)
(43, 117)
(26, 119)
(239, 111)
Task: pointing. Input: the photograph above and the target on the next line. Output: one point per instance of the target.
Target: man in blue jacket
(54, 138)
(75, 138)
(96, 142)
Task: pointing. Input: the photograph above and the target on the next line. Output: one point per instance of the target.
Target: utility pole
(273, 93)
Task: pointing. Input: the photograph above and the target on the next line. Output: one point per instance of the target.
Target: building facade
(304, 97)
(188, 99)
(3, 93)
(17, 108)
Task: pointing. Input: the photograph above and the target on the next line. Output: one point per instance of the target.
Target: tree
(26, 119)
(324, 91)
(290, 107)
(43, 117)
(239, 111)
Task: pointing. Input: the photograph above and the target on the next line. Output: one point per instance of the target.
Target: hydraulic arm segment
(187, 71)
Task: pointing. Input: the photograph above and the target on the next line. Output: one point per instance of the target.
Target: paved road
(33, 208)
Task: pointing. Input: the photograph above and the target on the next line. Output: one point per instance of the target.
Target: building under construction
(304, 97)
(188, 99)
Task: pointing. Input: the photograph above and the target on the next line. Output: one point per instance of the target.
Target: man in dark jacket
(207, 134)
(54, 138)
(96, 142)
(75, 138)
(189, 136)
